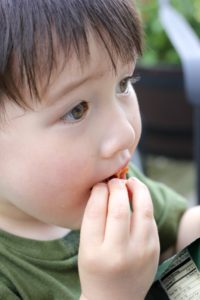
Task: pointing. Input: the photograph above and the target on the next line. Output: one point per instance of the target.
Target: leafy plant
(158, 48)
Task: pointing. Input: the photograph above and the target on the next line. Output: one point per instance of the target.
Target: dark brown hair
(28, 28)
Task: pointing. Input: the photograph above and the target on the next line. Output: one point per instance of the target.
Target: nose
(119, 136)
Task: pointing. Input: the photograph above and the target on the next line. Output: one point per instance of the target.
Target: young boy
(69, 122)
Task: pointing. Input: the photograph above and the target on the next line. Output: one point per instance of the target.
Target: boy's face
(85, 129)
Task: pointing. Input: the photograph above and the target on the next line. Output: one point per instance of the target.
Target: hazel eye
(124, 86)
(127, 83)
(77, 113)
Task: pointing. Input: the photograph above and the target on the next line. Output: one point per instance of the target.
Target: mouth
(121, 174)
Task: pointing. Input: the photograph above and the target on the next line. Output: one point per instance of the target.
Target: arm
(119, 250)
(189, 228)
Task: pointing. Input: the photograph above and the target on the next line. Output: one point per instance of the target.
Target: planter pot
(166, 115)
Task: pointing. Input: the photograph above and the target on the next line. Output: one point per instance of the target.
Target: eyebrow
(75, 84)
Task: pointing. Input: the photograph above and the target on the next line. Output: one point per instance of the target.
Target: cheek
(48, 181)
(138, 127)
(53, 174)
(134, 116)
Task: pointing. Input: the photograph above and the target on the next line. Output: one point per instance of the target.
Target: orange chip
(122, 173)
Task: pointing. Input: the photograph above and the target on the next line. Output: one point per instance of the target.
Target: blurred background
(168, 144)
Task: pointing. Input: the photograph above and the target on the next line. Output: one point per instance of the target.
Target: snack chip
(122, 173)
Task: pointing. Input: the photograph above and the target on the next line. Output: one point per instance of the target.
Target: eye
(125, 84)
(77, 113)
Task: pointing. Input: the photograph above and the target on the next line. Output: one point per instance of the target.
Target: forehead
(78, 66)
(68, 72)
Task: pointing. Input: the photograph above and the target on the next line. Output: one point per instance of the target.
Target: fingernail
(133, 179)
(118, 183)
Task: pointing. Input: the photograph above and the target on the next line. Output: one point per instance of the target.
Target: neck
(29, 227)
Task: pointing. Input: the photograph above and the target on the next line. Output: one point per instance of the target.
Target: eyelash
(134, 79)
(83, 106)
(80, 108)
(129, 79)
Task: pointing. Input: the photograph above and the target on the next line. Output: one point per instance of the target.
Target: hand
(119, 249)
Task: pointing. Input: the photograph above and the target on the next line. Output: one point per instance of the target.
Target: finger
(118, 219)
(94, 219)
(142, 220)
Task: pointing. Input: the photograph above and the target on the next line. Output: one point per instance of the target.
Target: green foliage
(158, 48)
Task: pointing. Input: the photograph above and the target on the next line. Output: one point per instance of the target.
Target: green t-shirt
(47, 270)
(39, 270)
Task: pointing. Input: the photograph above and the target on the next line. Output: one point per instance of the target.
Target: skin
(44, 189)
(108, 231)
(53, 165)
(189, 228)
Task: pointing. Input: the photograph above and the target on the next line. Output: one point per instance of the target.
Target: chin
(72, 226)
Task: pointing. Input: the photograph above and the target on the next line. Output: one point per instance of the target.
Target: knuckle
(119, 212)
(89, 261)
(141, 185)
(145, 256)
(92, 213)
(118, 263)
(154, 255)
(145, 191)
(148, 212)
(154, 250)
(150, 251)
(141, 256)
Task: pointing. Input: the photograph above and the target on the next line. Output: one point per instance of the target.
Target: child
(70, 121)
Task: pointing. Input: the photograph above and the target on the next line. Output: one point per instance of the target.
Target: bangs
(32, 32)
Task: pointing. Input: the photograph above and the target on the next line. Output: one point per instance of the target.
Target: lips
(121, 174)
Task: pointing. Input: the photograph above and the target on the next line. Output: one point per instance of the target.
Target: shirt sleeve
(169, 207)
